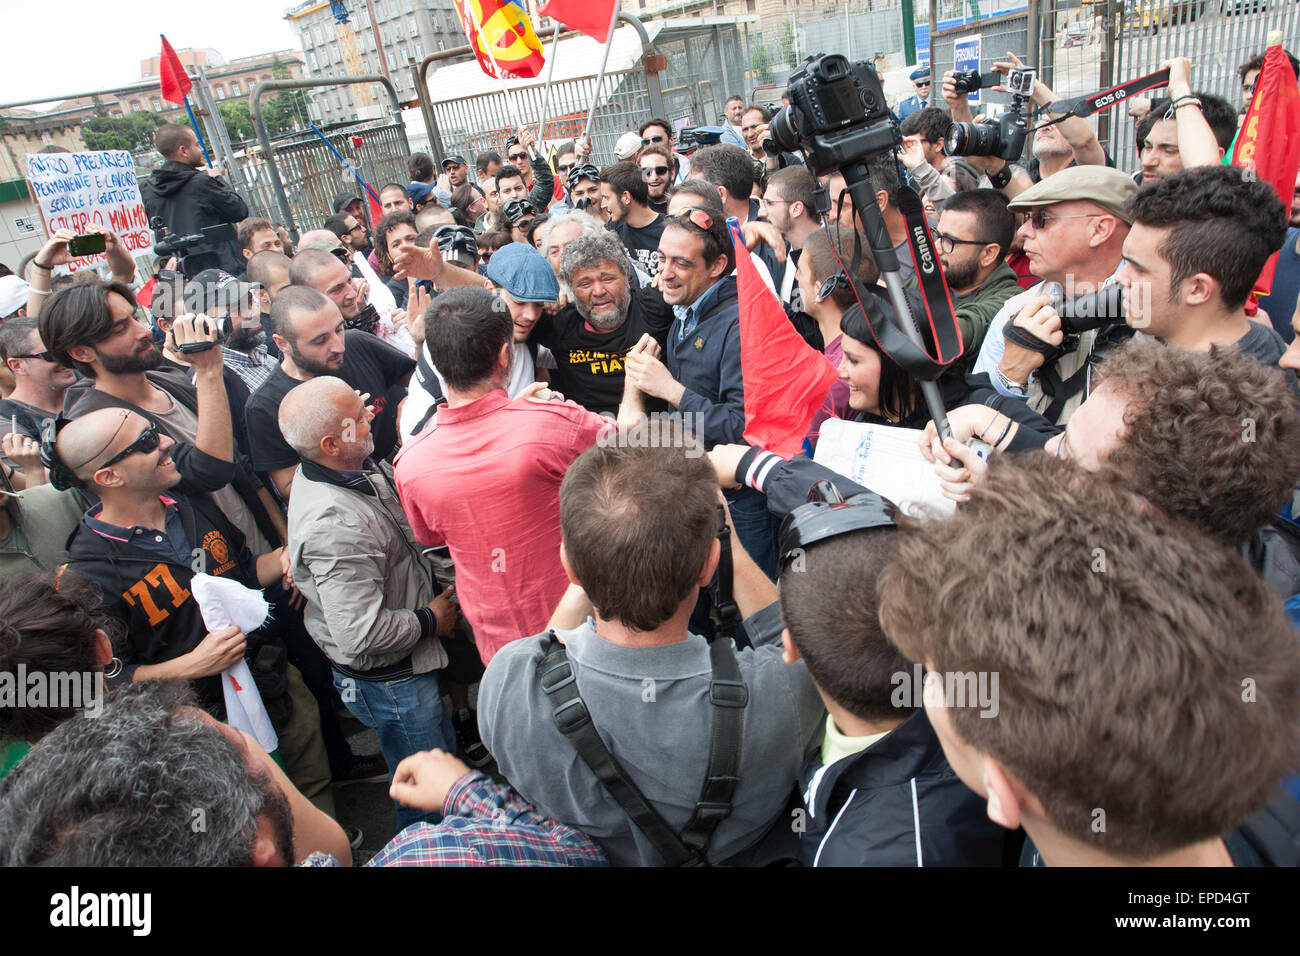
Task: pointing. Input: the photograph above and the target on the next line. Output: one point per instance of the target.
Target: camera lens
(781, 129)
(972, 139)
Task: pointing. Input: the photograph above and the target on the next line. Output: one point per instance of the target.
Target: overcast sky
(64, 47)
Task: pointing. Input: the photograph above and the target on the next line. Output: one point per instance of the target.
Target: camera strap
(935, 299)
(728, 696)
(1096, 102)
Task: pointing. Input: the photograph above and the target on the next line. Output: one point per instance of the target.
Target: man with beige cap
(1073, 238)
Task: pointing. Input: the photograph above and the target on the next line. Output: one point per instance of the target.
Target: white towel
(223, 602)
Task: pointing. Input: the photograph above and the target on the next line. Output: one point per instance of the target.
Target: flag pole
(346, 165)
(510, 100)
(197, 132)
(546, 93)
(600, 78)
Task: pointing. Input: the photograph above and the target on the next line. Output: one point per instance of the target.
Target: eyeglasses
(146, 443)
(947, 242)
(648, 171)
(924, 83)
(695, 216)
(1039, 219)
(651, 140)
(43, 356)
(485, 255)
(763, 200)
(516, 157)
(356, 227)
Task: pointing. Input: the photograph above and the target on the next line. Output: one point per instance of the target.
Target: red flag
(176, 83)
(786, 379)
(376, 210)
(1269, 140)
(591, 18)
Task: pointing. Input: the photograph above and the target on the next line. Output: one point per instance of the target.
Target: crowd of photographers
(490, 448)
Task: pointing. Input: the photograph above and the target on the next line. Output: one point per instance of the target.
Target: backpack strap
(728, 695)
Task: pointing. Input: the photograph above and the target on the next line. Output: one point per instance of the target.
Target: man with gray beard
(591, 336)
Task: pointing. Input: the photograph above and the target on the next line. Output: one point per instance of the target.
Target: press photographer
(188, 201)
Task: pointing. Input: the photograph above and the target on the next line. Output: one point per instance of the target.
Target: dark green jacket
(975, 310)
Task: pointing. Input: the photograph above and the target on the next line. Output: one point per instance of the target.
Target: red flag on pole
(586, 16)
(785, 378)
(1269, 140)
(176, 83)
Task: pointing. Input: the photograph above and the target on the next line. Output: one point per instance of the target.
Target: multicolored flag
(502, 37)
(591, 17)
(176, 83)
(786, 379)
(1269, 139)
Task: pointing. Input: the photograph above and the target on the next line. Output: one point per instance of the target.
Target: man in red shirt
(484, 476)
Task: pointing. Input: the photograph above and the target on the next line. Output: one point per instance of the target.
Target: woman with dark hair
(534, 231)
(489, 243)
(52, 636)
(468, 204)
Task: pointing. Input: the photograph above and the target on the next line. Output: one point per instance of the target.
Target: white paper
(223, 602)
(886, 460)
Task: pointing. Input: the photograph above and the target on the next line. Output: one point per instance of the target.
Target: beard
(311, 365)
(609, 321)
(962, 276)
(246, 338)
(275, 807)
(130, 364)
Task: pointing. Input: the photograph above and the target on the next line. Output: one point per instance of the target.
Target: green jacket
(975, 310)
(40, 519)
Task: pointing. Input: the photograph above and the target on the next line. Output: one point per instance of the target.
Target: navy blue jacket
(707, 363)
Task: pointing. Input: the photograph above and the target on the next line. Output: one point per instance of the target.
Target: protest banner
(74, 190)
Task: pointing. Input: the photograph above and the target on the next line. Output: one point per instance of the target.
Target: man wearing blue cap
(920, 78)
(523, 280)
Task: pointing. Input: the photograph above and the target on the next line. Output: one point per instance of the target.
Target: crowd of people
(491, 449)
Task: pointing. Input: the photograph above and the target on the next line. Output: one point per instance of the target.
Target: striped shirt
(254, 368)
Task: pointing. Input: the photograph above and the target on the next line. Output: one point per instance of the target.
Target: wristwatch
(1009, 385)
(1001, 178)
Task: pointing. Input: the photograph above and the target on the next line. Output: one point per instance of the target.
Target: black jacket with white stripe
(899, 803)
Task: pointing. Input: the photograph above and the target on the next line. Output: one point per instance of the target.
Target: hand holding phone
(90, 244)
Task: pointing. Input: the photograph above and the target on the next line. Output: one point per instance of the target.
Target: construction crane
(361, 93)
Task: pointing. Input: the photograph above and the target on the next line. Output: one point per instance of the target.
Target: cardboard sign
(74, 190)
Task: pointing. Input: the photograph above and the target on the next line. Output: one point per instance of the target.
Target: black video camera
(837, 114)
(1003, 137)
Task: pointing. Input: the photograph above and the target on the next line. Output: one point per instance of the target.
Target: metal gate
(297, 176)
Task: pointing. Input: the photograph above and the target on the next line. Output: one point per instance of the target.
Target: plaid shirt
(254, 369)
(488, 824)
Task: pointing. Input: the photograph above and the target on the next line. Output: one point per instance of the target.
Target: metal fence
(997, 36)
(703, 66)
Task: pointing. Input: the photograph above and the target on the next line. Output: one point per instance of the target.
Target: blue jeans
(408, 716)
(755, 526)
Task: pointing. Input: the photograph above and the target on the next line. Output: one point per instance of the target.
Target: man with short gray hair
(373, 604)
(606, 317)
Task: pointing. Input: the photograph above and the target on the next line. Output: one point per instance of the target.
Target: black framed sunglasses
(516, 157)
(652, 140)
(43, 356)
(147, 442)
(648, 171)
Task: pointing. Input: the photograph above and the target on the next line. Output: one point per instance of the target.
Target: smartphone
(91, 244)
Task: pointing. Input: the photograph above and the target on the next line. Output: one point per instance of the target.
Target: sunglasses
(515, 157)
(147, 442)
(484, 256)
(695, 216)
(1039, 219)
(563, 168)
(648, 171)
(651, 140)
(922, 83)
(356, 227)
(43, 356)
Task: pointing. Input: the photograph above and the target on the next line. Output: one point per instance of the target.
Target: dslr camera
(837, 114)
(1003, 137)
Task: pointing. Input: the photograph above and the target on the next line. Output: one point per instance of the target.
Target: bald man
(269, 271)
(373, 604)
(143, 544)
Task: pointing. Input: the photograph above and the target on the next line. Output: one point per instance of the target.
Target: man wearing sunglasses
(657, 131)
(626, 199)
(924, 97)
(536, 172)
(1074, 240)
(657, 170)
(142, 546)
(39, 385)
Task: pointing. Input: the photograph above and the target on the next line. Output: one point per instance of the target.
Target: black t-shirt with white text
(642, 244)
(369, 365)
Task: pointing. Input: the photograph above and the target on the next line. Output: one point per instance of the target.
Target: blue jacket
(707, 363)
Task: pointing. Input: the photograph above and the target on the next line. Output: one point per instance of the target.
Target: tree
(787, 46)
(238, 119)
(761, 64)
(133, 133)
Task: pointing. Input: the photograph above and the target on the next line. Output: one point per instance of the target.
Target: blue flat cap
(919, 74)
(523, 272)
